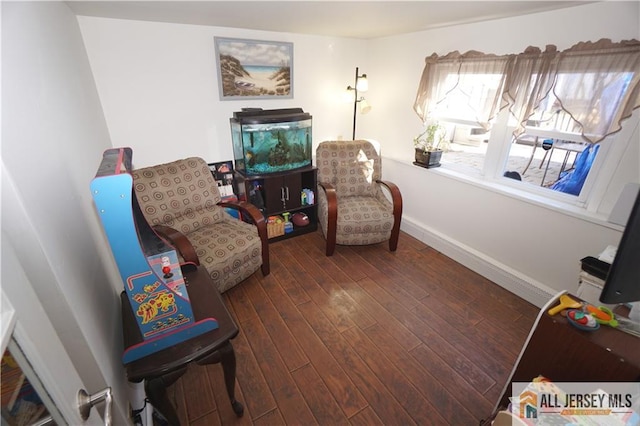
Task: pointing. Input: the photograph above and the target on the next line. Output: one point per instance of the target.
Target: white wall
(53, 135)
(158, 86)
(482, 227)
(616, 20)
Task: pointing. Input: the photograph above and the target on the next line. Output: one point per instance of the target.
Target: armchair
(181, 201)
(352, 208)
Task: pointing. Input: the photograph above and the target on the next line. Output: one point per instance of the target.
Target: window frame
(528, 79)
(594, 190)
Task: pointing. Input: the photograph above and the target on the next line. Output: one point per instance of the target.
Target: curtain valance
(596, 83)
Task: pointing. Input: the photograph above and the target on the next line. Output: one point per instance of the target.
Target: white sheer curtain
(596, 84)
(530, 78)
(468, 85)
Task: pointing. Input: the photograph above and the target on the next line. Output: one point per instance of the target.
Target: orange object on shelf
(599, 313)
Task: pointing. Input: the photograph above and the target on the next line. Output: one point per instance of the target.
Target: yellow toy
(566, 302)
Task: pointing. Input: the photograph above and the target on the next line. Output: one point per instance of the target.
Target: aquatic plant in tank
(271, 141)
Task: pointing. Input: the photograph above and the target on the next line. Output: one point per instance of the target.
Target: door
(274, 194)
(25, 320)
(282, 192)
(26, 325)
(293, 189)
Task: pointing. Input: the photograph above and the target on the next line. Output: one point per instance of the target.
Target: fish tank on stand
(273, 167)
(271, 141)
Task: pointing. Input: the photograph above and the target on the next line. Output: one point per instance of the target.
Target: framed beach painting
(254, 69)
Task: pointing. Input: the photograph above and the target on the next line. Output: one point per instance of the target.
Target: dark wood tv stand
(281, 193)
(560, 352)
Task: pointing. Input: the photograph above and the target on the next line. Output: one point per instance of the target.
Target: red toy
(582, 320)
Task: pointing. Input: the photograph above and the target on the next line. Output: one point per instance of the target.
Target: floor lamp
(361, 85)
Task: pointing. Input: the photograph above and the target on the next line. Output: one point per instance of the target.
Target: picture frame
(222, 172)
(254, 69)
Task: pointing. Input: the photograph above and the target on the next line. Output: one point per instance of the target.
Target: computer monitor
(622, 284)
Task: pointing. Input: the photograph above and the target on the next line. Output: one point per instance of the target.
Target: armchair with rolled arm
(352, 208)
(182, 203)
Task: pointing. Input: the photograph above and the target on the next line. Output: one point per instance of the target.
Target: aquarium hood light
(262, 129)
(361, 85)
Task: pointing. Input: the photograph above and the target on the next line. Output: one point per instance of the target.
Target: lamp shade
(362, 83)
(349, 95)
(364, 106)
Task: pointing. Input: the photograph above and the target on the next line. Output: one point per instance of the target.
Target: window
(467, 96)
(545, 119)
(551, 153)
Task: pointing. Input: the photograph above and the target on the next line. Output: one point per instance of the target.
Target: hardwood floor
(364, 337)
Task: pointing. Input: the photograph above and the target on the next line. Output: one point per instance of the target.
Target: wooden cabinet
(279, 193)
(282, 193)
(562, 353)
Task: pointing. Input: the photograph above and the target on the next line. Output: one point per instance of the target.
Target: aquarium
(271, 141)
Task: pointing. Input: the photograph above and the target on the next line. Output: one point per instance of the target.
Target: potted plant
(429, 145)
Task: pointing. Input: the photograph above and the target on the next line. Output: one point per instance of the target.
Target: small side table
(161, 369)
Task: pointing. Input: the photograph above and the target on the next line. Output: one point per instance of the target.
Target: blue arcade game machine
(149, 267)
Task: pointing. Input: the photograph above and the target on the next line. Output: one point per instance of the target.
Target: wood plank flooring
(365, 337)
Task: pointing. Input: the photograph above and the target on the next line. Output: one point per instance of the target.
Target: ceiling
(357, 19)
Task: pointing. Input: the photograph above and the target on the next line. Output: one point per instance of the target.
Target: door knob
(86, 402)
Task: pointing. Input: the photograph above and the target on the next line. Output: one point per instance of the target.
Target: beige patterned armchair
(352, 208)
(182, 202)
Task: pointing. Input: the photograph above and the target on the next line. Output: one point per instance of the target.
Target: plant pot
(428, 159)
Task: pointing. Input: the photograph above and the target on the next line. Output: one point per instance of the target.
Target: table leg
(533, 153)
(156, 390)
(228, 361)
(564, 164)
(546, 169)
(226, 356)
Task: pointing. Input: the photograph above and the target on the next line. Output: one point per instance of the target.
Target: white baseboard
(521, 285)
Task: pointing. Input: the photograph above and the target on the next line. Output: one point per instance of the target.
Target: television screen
(622, 284)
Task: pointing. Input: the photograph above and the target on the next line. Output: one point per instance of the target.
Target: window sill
(511, 191)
